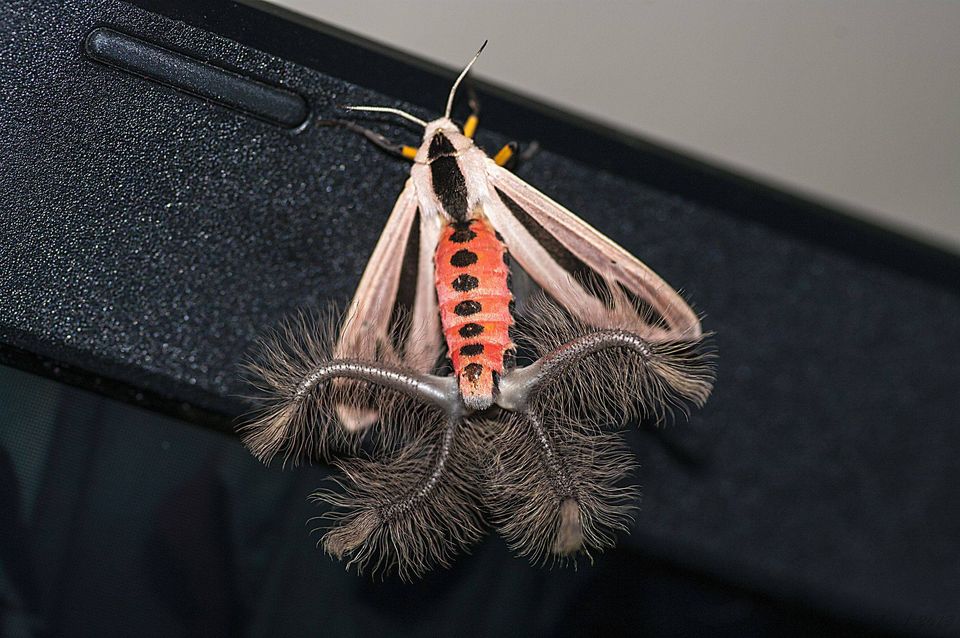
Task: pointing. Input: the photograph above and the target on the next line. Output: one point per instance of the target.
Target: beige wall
(855, 102)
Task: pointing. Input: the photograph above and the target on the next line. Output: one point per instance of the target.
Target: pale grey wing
(393, 317)
(583, 270)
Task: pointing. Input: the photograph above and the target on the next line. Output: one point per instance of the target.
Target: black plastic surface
(204, 80)
(149, 236)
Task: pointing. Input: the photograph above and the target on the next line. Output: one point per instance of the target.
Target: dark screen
(119, 521)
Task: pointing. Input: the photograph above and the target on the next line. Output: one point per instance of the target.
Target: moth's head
(440, 125)
(442, 137)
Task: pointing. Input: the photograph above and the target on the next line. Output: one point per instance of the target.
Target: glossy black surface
(177, 531)
(202, 79)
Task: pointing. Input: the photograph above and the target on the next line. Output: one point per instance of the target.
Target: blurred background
(854, 103)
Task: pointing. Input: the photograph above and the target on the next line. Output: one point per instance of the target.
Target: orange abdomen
(473, 290)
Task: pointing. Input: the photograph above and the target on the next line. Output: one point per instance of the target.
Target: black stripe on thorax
(440, 146)
(449, 184)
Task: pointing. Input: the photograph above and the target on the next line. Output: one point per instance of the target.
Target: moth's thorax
(449, 173)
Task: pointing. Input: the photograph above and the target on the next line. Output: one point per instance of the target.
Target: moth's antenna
(387, 109)
(453, 91)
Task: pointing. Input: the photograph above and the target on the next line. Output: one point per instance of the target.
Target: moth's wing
(593, 278)
(393, 317)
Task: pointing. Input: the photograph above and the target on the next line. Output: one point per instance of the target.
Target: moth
(444, 408)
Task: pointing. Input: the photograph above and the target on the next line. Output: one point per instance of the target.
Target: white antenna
(453, 91)
(387, 109)
(413, 118)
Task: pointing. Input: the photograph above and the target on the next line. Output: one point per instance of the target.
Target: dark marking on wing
(590, 279)
(647, 312)
(402, 311)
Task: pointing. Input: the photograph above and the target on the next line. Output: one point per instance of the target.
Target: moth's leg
(568, 538)
(508, 157)
(473, 120)
(532, 149)
(403, 150)
(506, 154)
(622, 375)
(410, 512)
(422, 487)
(521, 385)
(439, 391)
(549, 456)
(555, 489)
(298, 417)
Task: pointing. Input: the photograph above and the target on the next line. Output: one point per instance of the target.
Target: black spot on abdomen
(462, 233)
(471, 349)
(463, 258)
(473, 371)
(465, 283)
(467, 308)
(469, 330)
